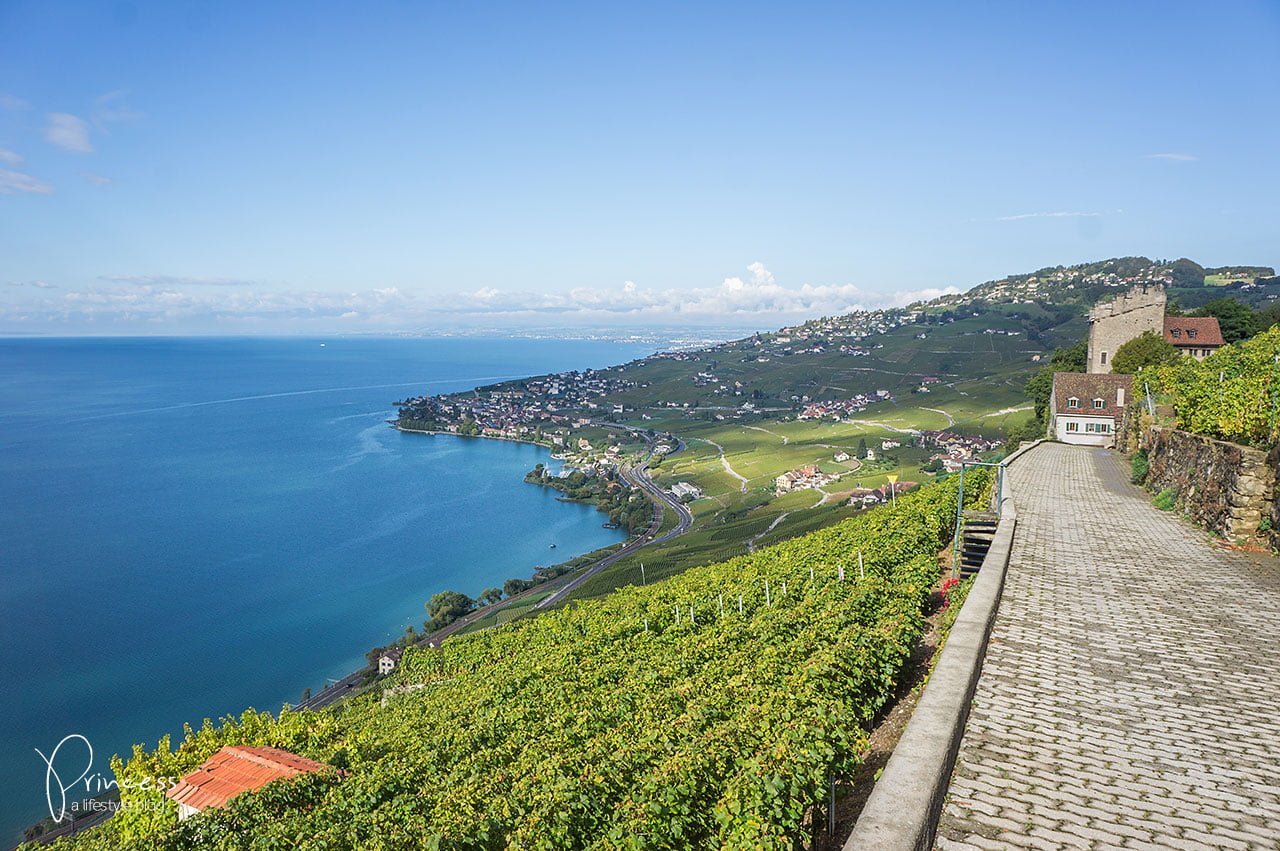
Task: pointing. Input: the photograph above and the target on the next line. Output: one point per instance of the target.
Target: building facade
(1116, 322)
(1085, 408)
(1141, 309)
(1194, 336)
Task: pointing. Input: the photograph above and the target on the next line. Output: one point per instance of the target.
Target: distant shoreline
(399, 427)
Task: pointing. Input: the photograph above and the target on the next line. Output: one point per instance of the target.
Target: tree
(1040, 386)
(1186, 273)
(489, 596)
(1268, 317)
(862, 447)
(446, 607)
(1234, 318)
(513, 587)
(1147, 349)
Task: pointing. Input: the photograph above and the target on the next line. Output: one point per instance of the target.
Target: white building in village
(1086, 408)
(683, 490)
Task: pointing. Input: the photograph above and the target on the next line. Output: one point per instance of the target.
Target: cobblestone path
(1130, 696)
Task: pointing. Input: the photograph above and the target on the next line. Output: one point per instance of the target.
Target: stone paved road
(1131, 692)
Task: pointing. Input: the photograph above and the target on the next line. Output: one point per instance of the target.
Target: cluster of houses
(517, 410)
(1087, 407)
(840, 409)
(1026, 288)
(875, 496)
(822, 332)
(956, 449)
(968, 444)
(803, 478)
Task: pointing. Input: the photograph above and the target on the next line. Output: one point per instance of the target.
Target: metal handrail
(999, 495)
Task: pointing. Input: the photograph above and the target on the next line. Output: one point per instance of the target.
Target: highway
(637, 477)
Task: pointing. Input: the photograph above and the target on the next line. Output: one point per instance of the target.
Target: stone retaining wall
(1223, 486)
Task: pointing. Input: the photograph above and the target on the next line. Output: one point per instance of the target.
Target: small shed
(235, 769)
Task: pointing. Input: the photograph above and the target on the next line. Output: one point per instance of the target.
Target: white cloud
(1174, 157)
(173, 280)
(107, 110)
(12, 103)
(12, 182)
(96, 179)
(40, 285)
(68, 132)
(1064, 214)
(10, 157)
(165, 301)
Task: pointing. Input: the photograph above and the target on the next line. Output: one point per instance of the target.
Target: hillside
(753, 409)
(709, 710)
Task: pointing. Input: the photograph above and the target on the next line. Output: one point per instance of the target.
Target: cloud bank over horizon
(155, 303)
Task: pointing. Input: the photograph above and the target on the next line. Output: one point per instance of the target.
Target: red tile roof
(236, 769)
(1193, 331)
(1086, 387)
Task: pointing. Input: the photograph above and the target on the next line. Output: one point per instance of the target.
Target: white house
(681, 490)
(1085, 408)
(387, 661)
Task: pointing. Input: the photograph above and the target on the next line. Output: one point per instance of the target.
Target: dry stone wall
(1223, 486)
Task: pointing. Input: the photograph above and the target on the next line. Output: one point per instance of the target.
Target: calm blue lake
(192, 526)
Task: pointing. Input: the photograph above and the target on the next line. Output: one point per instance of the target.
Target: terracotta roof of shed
(236, 769)
(1087, 386)
(1207, 331)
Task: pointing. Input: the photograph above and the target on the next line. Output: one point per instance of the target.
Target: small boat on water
(552, 547)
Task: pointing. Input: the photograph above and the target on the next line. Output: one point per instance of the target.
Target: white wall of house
(1084, 430)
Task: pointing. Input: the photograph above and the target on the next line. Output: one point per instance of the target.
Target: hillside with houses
(787, 431)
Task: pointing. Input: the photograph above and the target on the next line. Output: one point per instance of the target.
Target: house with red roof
(1195, 336)
(233, 770)
(1129, 315)
(1085, 408)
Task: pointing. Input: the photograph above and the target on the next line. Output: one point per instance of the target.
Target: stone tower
(1116, 322)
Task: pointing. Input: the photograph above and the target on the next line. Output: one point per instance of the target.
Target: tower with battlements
(1116, 322)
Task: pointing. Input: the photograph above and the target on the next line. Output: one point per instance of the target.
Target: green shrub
(1234, 394)
(1139, 466)
(1166, 499)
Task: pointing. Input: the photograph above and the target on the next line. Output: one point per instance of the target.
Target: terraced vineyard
(709, 709)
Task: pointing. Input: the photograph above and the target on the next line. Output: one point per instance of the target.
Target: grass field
(728, 519)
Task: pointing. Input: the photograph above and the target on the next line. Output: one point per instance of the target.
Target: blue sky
(289, 167)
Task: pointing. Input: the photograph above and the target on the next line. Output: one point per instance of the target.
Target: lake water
(192, 526)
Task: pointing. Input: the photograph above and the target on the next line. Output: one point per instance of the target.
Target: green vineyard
(706, 710)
